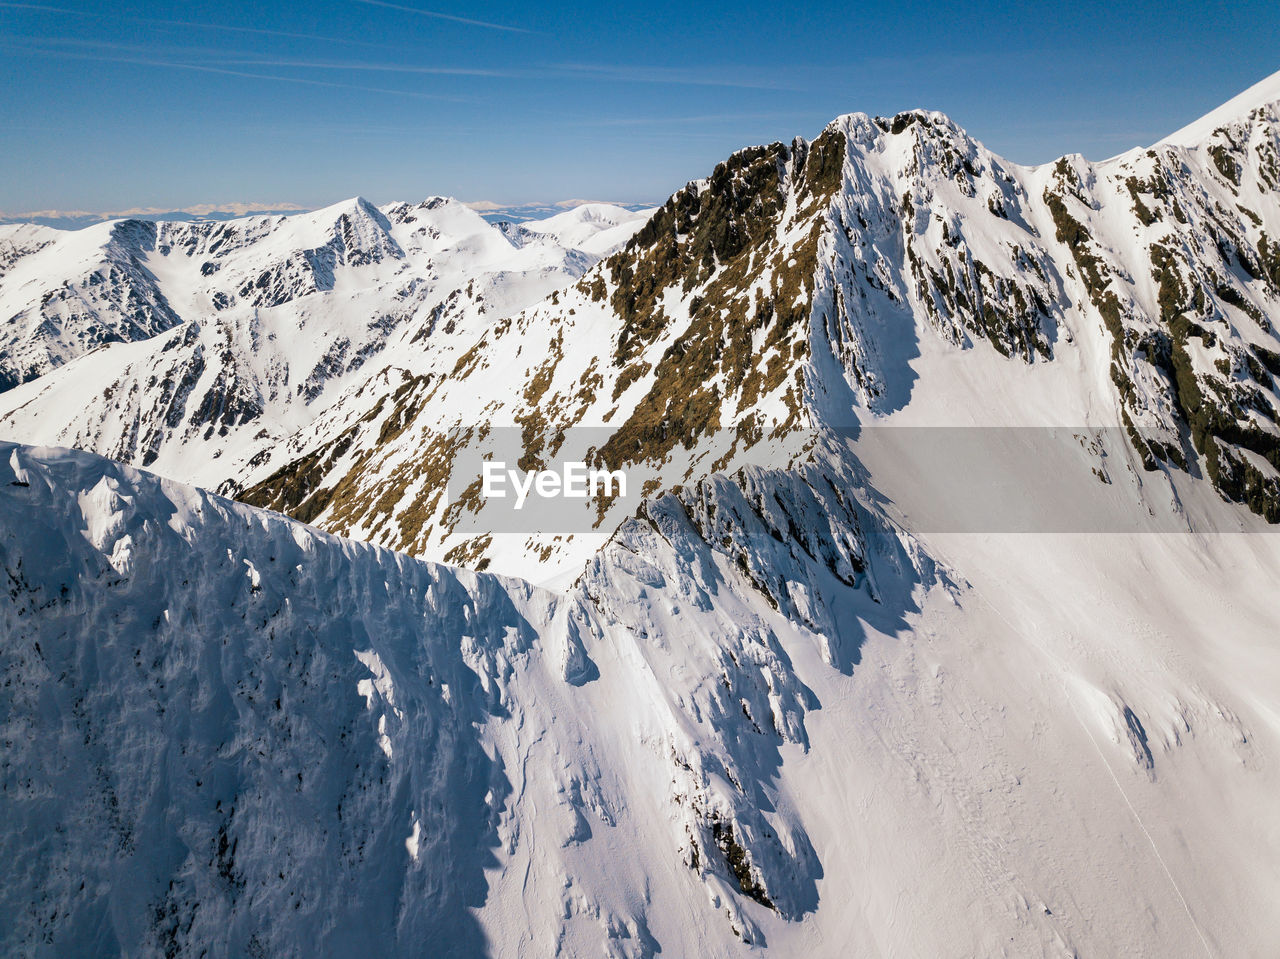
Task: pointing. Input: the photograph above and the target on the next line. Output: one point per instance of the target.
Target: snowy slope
(1261, 94)
(66, 294)
(18, 240)
(195, 696)
(764, 718)
(598, 228)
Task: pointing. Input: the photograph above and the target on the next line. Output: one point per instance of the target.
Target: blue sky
(145, 103)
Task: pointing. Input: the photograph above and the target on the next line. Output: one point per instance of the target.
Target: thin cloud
(444, 16)
(259, 31)
(679, 120)
(190, 24)
(226, 60)
(378, 67)
(219, 61)
(57, 46)
(44, 8)
(206, 68)
(303, 80)
(676, 76)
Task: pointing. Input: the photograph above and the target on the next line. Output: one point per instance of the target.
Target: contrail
(444, 16)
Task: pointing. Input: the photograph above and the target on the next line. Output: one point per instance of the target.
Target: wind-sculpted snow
(194, 699)
(235, 731)
(229, 732)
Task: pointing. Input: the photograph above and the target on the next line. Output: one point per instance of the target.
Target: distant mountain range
(78, 219)
(522, 212)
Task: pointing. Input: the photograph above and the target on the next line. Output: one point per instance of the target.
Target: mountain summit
(893, 271)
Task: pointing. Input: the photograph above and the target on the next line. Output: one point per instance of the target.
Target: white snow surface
(596, 228)
(231, 734)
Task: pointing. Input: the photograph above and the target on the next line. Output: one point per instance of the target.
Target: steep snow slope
(763, 719)
(1262, 93)
(67, 294)
(274, 318)
(194, 700)
(21, 239)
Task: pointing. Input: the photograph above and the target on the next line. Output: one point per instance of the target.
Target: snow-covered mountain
(823, 686)
(598, 228)
(100, 292)
(892, 272)
(268, 319)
